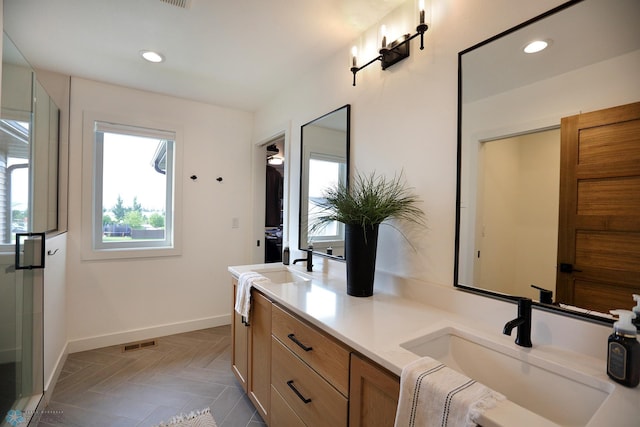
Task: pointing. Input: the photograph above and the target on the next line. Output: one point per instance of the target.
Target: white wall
(404, 118)
(55, 278)
(55, 309)
(111, 302)
(517, 221)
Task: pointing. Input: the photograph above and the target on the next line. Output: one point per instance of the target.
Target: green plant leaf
(371, 199)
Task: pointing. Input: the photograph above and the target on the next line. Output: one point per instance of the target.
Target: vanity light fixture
(393, 52)
(152, 56)
(536, 46)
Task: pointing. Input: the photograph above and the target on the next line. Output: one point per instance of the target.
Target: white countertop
(376, 326)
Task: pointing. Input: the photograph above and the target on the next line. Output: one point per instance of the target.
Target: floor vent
(184, 4)
(138, 345)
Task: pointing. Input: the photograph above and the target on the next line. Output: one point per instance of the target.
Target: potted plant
(362, 207)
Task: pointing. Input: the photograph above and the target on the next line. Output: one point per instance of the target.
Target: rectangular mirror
(324, 162)
(510, 109)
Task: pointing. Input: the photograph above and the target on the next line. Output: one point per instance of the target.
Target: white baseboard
(50, 382)
(91, 343)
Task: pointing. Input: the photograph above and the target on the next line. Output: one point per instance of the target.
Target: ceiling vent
(184, 4)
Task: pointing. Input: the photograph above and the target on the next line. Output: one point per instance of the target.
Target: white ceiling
(584, 34)
(235, 53)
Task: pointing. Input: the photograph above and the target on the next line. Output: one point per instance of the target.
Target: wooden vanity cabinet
(259, 387)
(323, 353)
(310, 371)
(282, 415)
(251, 351)
(311, 397)
(298, 375)
(373, 394)
(239, 344)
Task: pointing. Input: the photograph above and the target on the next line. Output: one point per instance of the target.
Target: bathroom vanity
(296, 374)
(360, 345)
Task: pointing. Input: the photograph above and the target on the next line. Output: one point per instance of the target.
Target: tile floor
(184, 372)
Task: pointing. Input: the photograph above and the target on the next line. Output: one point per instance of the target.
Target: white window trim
(91, 251)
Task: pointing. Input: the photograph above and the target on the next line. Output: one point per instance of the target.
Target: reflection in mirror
(324, 163)
(511, 105)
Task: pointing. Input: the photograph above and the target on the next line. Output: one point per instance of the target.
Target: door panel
(599, 233)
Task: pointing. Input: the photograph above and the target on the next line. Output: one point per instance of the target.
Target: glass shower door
(21, 376)
(27, 125)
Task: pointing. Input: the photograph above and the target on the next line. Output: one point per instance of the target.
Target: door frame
(259, 197)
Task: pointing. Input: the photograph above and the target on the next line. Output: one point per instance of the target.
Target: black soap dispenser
(623, 353)
(636, 311)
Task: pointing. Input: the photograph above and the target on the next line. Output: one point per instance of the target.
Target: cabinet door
(373, 395)
(239, 344)
(260, 354)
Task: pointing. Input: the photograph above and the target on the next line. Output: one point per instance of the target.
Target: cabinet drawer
(315, 401)
(281, 413)
(326, 356)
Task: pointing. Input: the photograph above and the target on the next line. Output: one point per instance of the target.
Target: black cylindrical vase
(360, 250)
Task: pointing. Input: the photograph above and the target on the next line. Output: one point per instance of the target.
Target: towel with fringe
(243, 291)
(432, 394)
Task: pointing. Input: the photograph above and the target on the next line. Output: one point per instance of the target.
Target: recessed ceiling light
(275, 161)
(536, 46)
(152, 56)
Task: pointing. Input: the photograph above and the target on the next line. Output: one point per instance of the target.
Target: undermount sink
(285, 276)
(561, 395)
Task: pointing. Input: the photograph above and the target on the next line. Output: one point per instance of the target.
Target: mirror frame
(480, 291)
(347, 108)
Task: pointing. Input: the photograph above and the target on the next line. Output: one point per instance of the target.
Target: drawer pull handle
(293, 338)
(295, 390)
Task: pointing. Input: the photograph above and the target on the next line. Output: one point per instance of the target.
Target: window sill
(120, 253)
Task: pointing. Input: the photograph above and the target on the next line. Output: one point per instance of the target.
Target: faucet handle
(546, 296)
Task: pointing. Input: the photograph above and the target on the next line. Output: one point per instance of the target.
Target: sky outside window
(128, 172)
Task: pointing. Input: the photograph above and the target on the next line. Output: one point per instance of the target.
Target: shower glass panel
(28, 130)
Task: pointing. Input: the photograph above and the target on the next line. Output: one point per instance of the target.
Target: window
(133, 196)
(325, 171)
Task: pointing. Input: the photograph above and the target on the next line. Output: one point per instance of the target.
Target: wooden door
(599, 222)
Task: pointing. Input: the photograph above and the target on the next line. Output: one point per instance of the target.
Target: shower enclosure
(29, 123)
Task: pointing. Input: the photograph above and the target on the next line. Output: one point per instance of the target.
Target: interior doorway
(517, 213)
(274, 199)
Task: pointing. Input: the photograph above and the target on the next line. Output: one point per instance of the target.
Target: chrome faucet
(522, 322)
(308, 260)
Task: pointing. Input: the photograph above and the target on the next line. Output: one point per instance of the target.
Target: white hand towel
(432, 394)
(243, 291)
